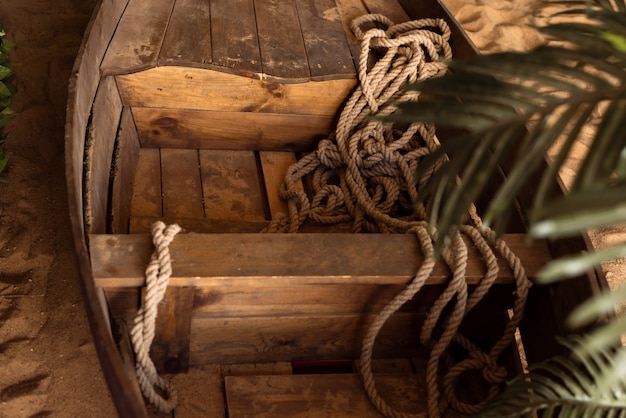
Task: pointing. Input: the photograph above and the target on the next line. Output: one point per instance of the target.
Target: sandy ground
(48, 362)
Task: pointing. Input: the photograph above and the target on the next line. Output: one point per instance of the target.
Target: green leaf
(618, 41)
(4, 90)
(5, 72)
(576, 265)
(4, 159)
(570, 224)
(596, 307)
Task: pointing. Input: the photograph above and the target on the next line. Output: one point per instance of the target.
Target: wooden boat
(191, 111)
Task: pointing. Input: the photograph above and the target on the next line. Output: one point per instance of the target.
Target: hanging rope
(158, 274)
(363, 174)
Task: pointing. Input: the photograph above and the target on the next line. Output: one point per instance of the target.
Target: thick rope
(364, 174)
(158, 274)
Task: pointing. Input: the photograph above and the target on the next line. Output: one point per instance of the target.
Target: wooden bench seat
(237, 298)
(290, 259)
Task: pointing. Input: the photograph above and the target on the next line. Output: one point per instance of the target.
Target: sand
(49, 366)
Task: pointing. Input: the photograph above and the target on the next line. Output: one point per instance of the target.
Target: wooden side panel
(231, 185)
(462, 46)
(295, 338)
(324, 39)
(147, 200)
(107, 109)
(181, 184)
(282, 49)
(271, 298)
(179, 128)
(170, 349)
(192, 88)
(125, 168)
(82, 89)
(188, 37)
(235, 39)
(389, 8)
(322, 395)
(274, 166)
(137, 40)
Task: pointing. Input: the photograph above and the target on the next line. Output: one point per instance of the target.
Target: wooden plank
(137, 40)
(181, 184)
(389, 8)
(235, 39)
(170, 348)
(192, 88)
(274, 166)
(253, 369)
(327, 50)
(180, 128)
(280, 39)
(81, 93)
(348, 11)
(143, 224)
(147, 200)
(462, 45)
(107, 109)
(298, 338)
(231, 185)
(124, 170)
(320, 395)
(188, 39)
(272, 299)
(123, 302)
(205, 259)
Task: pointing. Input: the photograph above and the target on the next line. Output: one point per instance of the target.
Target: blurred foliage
(7, 90)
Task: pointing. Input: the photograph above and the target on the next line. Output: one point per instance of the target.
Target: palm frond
(517, 106)
(566, 387)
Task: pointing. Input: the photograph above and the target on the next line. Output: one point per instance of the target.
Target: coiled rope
(364, 172)
(158, 274)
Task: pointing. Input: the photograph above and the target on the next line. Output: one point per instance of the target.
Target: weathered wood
(137, 40)
(81, 93)
(181, 128)
(123, 177)
(268, 298)
(235, 39)
(143, 224)
(107, 109)
(170, 349)
(203, 259)
(231, 185)
(348, 11)
(123, 302)
(147, 199)
(330, 395)
(188, 37)
(192, 88)
(388, 8)
(462, 45)
(280, 40)
(296, 338)
(274, 165)
(181, 183)
(325, 41)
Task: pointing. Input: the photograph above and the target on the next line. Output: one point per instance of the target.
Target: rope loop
(158, 273)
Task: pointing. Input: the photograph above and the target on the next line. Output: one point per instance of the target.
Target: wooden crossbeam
(208, 259)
